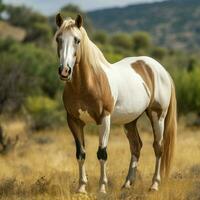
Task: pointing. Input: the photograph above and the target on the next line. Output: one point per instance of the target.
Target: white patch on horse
(104, 131)
(85, 116)
(134, 162)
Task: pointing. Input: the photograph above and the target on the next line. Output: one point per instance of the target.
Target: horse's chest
(85, 116)
(87, 111)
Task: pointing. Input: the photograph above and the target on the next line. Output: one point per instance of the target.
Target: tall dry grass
(43, 166)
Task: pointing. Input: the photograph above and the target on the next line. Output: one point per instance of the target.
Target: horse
(103, 93)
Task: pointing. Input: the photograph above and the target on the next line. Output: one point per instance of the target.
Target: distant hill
(173, 24)
(10, 31)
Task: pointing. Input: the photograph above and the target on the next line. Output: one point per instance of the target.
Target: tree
(72, 10)
(158, 53)
(24, 17)
(100, 37)
(191, 64)
(36, 25)
(121, 40)
(141, 40)
(1, 6)
(40, 33)
(12, 87)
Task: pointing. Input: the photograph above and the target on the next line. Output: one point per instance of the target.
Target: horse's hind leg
(157, 121)
(135, 147)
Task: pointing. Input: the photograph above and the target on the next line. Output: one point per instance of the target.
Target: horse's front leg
(76, 126)
(104, 131)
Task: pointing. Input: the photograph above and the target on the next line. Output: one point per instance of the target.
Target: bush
(158, 53)
(40, 33)
(188, 87)
(43, 112)
(24, 17)
(121, 40)
(101, 37)
(141, 40)
(39, 65)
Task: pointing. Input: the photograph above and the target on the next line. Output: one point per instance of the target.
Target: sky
(49, 7)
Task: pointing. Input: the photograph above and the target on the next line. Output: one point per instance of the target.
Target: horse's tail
(170, 131)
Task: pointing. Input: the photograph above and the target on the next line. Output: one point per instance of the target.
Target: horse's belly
(122, 116)
(130, 105)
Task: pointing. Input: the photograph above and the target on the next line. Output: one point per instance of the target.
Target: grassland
(43, 166)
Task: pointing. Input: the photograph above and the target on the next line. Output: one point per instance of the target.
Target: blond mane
(88, 53)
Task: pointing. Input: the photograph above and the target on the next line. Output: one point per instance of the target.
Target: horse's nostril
(69, 71)
(66, 70)
(60, 70)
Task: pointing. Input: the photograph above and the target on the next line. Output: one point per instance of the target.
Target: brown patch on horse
(157, 108)
(89, 91)
(134, 138)
(146, 73)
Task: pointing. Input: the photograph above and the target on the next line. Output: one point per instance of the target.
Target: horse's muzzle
(64, 72)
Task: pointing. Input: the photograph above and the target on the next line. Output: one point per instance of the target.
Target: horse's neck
(88, 75)
(83, 78)
(90, 87)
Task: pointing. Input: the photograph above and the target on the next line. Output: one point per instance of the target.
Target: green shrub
(187, 88)
(121, 40)
(43, 112)
(141, 40)
(100, 37)
(158, 53)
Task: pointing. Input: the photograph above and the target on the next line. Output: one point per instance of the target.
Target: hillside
(174, 24)
(10, 31)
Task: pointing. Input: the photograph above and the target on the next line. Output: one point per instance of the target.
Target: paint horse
(100, 92)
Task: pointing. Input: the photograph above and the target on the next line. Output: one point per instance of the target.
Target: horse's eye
(76, 40)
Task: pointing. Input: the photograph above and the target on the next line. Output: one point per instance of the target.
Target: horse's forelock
(66, 25)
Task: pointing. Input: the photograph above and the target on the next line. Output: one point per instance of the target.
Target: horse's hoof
(127, 185)
(153, 188)
(102, 189)
(82, 190)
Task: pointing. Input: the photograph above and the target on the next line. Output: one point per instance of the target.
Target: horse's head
(68, 38)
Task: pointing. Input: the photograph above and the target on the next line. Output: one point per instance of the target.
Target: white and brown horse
(100, 92)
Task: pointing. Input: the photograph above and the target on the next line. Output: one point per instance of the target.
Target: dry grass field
(43, 166)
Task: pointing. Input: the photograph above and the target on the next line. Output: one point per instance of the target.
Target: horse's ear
(59, 20)
(79, 21)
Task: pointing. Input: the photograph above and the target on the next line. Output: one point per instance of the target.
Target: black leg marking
(102, 153)
(80, 155)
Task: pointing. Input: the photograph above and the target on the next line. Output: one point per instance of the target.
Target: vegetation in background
(28, 68)
(172, 23)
